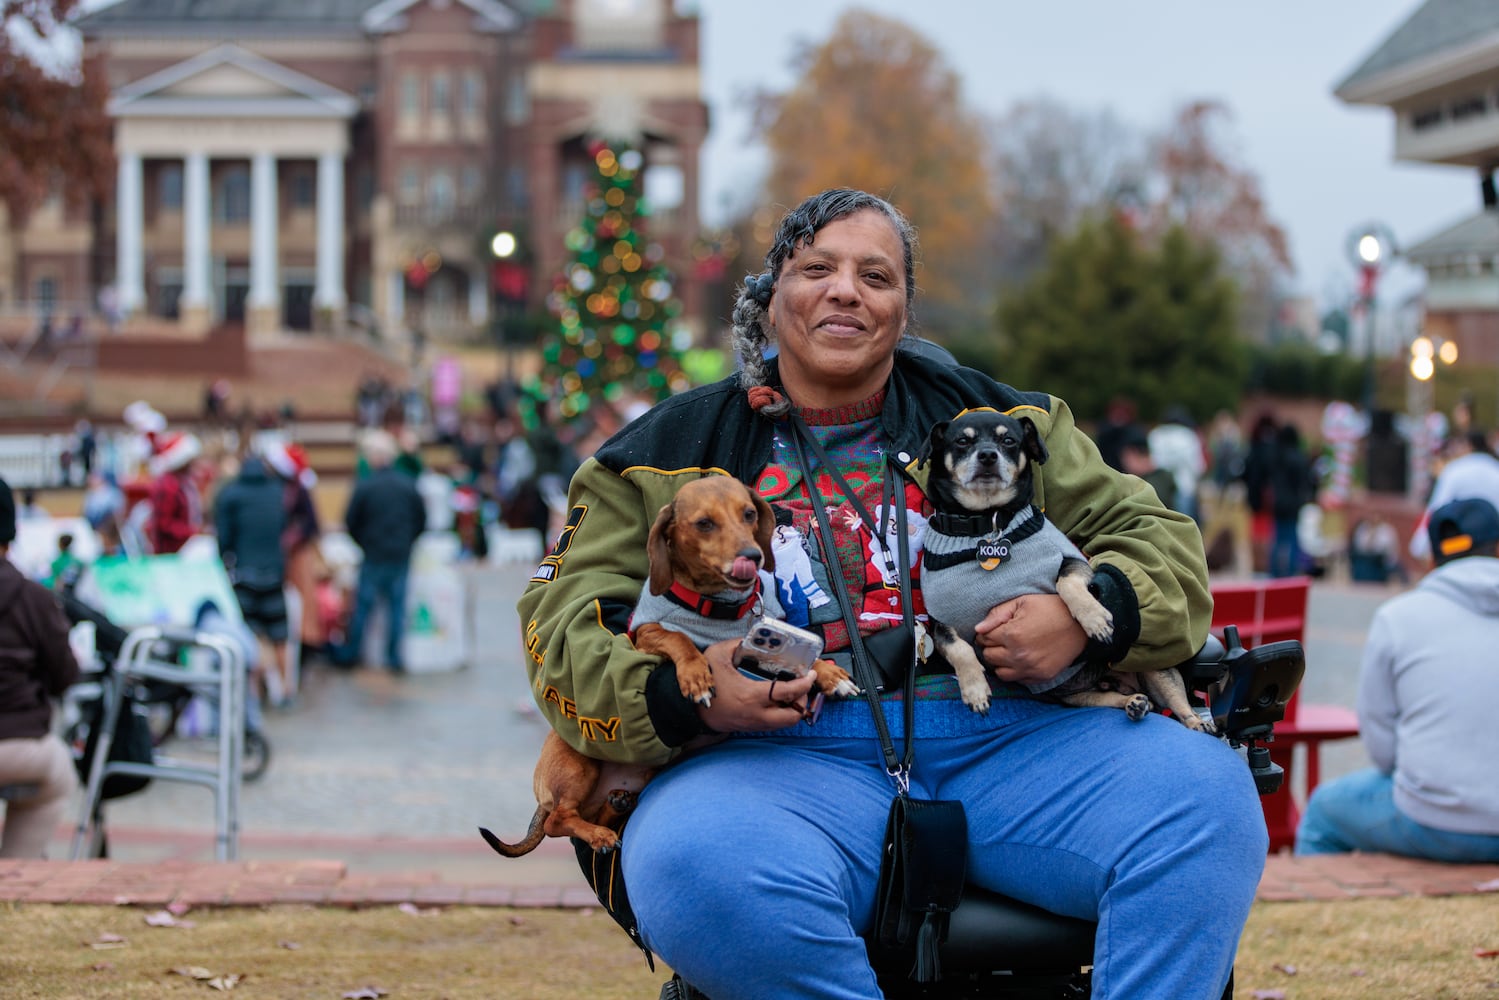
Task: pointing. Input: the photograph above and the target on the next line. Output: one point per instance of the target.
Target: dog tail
(533, 838)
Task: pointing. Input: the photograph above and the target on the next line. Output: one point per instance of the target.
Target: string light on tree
(618, 328)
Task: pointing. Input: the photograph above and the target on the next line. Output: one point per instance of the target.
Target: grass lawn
(1356, 949)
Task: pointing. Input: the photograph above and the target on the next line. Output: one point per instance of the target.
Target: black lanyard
(899, 768)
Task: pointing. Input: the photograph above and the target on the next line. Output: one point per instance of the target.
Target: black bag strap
(899, 768)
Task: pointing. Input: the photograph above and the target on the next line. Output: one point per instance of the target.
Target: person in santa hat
(176, 504)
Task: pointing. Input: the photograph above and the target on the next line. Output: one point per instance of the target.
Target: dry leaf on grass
(192, 972)
(228, 982)
(1486, 952)
(365, 993)
(411, 909)
(288, 945)
(163, 918)
(102, 967)
(1289, 970)
(178, 909)
(106, 941)
(1490, 886)
(1269, 995)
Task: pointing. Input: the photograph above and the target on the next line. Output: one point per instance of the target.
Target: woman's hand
(1030, 639)
(748, 704)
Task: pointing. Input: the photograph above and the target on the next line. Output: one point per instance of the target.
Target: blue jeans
(751, 866)
(378, 582)
(1357, 813)
(1285, 549)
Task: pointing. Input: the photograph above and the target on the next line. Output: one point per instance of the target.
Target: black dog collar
(709, 608)
(979, 525)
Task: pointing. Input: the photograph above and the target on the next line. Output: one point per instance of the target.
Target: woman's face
(838, 309)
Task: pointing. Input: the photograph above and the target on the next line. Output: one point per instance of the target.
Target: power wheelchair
(1001, 948)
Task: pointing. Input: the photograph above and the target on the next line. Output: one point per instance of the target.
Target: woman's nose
(844, 285)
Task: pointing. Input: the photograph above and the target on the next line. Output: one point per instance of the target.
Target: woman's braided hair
(797, 229)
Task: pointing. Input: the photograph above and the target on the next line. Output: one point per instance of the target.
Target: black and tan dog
(987, 543)
(707, 549)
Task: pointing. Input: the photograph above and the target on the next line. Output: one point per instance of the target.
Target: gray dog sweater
(701, 629)
(960, 595)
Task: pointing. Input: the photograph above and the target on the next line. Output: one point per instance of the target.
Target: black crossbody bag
(924, 862)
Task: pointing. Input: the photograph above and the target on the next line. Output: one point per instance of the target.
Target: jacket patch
(547, 571)
(594, 730)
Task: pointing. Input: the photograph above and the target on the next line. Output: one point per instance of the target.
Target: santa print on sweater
(870, 567)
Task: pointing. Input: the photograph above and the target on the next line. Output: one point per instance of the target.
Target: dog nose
(752, 552)
(988, 457)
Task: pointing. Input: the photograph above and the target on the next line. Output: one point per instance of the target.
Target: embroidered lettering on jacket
(547, 571)
(596, 730)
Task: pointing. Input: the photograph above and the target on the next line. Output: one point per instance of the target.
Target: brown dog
(706, 550)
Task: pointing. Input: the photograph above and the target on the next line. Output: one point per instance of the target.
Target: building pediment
(229, 81)
(490, 16)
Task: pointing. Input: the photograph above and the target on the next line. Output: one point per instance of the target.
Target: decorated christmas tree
(617, 332)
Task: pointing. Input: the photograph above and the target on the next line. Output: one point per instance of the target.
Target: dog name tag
(993, 550)
(925, 645)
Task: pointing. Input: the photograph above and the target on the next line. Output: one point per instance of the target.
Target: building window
(303, 189)
(1472, 106)
(472, 95)
(517, 194)
(234, 196)
(472, 185)
(411, 96)
(442, 98)
(46, 296)
(441, 197)
(410, 192)
(169, 187)
(517, 100)
(1426, 118)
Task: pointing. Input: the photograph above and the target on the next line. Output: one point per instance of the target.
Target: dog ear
(765, 526)
(1034, 446)
(934, 442)
(658, 550)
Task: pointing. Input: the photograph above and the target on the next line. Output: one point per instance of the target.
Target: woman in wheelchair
(752, 860)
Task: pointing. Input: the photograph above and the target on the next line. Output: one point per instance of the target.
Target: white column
(478, 296)
(130, 278)
(196, 292)
(329, 290)
(265, 284)
(395, 302)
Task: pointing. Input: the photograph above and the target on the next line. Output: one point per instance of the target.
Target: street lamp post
(1370, 248)
(503, 247)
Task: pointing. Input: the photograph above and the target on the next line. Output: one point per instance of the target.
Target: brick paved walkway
(255, 883)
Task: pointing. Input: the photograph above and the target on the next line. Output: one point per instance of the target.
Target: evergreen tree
(617, 332)
(1115, 314)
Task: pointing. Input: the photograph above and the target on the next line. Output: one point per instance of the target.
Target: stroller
(149, 713)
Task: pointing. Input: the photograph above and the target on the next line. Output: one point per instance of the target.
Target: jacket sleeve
(1149, 560)
(587, 677)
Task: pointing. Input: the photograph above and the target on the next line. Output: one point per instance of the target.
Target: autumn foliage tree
(54, 131)
(875, 107)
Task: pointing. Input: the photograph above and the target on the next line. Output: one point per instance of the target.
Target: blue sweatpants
(751, 866)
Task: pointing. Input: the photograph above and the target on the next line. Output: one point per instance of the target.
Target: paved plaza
(394, 774)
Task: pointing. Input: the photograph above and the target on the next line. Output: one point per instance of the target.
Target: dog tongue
(744, 568)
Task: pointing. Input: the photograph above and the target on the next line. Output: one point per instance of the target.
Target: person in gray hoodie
(1428, 703)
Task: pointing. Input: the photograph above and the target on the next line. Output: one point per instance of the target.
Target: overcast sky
(1325, 167)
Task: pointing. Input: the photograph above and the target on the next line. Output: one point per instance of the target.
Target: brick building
(294, 164)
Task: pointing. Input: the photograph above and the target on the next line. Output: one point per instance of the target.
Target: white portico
(230, 104)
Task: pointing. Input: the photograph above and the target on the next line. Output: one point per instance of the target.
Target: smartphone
(777, 651)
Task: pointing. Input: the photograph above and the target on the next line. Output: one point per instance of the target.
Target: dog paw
(975, 695)
(1138, 707)
(1098, 623)
(604, 844)
(1197, 722)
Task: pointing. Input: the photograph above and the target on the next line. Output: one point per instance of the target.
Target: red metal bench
(1269, 611)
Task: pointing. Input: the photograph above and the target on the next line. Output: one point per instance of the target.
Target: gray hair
(798, 229)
